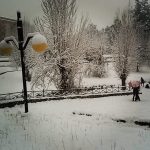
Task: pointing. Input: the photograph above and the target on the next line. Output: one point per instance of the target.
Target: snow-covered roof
(7, 19)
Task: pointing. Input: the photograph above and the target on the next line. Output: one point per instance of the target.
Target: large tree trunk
(66, 81)
(63, 80)
(137, 67)
(123, 81)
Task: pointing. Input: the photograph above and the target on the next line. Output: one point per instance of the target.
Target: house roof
(7, 19)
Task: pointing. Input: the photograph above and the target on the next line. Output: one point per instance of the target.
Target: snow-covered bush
(94, 70)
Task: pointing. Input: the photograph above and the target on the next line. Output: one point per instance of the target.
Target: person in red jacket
(136, 87)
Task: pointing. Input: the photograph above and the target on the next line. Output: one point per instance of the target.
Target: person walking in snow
(142, 82)
(136, 87)
(130, 85)
(136, 94)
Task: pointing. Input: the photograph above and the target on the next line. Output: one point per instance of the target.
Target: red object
(134, 84)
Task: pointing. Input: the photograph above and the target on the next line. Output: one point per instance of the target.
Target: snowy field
(79, 124)
(59, 125)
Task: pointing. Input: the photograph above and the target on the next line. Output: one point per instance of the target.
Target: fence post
(93, 88)
(9, 96)
(33, 93)
(22, 93)
(112, 89)
(118, 88)
(106, 89)
(129, 88)
(43, 92)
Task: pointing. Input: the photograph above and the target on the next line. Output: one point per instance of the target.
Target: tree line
(129, 38)
(72, 42)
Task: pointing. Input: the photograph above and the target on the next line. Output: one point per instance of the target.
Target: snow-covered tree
(124, 46)
(98, 46)
(61, 63)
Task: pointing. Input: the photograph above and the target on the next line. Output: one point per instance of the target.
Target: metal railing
(95, 90)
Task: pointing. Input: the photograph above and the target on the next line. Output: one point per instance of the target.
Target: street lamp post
(21, 48)
(39, 44)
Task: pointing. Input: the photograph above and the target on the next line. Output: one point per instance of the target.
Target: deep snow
(58, 125)
(52, 125)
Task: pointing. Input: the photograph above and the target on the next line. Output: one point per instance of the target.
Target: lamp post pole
(21, 48)
(20, 44)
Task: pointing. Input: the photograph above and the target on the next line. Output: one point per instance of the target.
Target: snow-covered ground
(57, 125)
(79, 124)
(112, 77)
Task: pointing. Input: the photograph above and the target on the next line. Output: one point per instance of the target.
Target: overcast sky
(100, 12)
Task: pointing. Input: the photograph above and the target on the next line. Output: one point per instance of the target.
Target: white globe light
(39, 43)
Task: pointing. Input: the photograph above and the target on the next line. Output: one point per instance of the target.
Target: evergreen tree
(141, 14)
(99, 46)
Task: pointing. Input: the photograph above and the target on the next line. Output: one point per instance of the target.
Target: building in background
(7, 27)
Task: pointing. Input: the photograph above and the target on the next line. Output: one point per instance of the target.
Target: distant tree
(124, 45)
(112, 31)
(109, 35)
(98, 46)
(141, 14)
